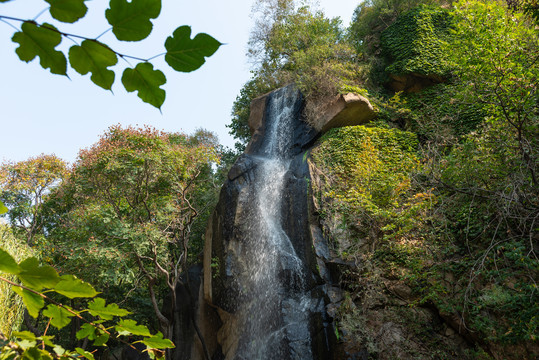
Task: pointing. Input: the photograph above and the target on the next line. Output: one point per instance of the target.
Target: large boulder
(343, 110)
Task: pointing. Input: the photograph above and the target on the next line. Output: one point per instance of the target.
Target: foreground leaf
(101, 340)
(60, 317)
(24, 335)
(157, 342)
(41, 41)
(47, 340)
(59, 350)
(68, 11)
(35, 353)
(7, 263)
(86, 330)
(144, 79)
(130, 327)
(186, 55)
(85, 353)
(93, 56)
(72, 287)
(106, 312)
(37, 277)
(3, 208)
(131, 20)
(33, 302)
(156, 354)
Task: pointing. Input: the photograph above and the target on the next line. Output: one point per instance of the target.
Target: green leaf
(37, 277)
(3, 208)
(131, 20)
(84, 353)
(35, 353)
(47, 340)
(68, 11)
(127, 327)
(59, 350)
(72, 287)
(146, 81)
(101, 340)
(157, 342)
(60, 317)
(86, 330)
(186, 55)
(24, 335)
(7, 263)
(97, 308)
(26, 344)
(40, 41)
(93, 56)
(33, 302)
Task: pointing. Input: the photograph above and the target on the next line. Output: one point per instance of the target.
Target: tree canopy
(296, 45)
(23, 187)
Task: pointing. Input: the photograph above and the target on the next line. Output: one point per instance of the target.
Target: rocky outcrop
(302, 135)
(305, 305)
(412, 83)
(343, 110)
(296, 303)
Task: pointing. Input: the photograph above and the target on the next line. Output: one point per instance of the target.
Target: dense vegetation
(434, 205)
(458, 229)
(438, 195)
(120, 218)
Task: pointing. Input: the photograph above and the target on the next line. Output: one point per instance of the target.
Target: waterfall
(275, 276)
(260, 267)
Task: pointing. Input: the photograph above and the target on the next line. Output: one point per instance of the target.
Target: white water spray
(272, 321)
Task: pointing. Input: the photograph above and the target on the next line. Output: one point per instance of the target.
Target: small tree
(23, 187)
(488, 179)
(127, 209)
(300, 46)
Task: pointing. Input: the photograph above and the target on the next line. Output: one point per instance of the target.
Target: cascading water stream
(261, 272)
(273, 284)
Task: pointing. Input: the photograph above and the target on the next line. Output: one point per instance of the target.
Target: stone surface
(241, 167)
(303, 136)
(412, 83)
(344, 110)
(306, 327)
(257, 121)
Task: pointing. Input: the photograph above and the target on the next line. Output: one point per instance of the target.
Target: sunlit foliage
(23, 187)
(123, 218)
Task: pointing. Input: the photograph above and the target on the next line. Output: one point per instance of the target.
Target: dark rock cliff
(298, 308)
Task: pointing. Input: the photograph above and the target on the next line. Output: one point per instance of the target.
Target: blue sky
(45, 113)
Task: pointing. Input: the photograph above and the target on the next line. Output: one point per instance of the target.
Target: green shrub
(368, 172)
(438, 111)
(11, 305)
(414, 43)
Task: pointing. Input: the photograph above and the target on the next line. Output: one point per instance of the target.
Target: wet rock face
(302, 135)
(263, 276)
(267, 266)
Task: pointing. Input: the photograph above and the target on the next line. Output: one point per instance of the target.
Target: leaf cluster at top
(130, 21)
